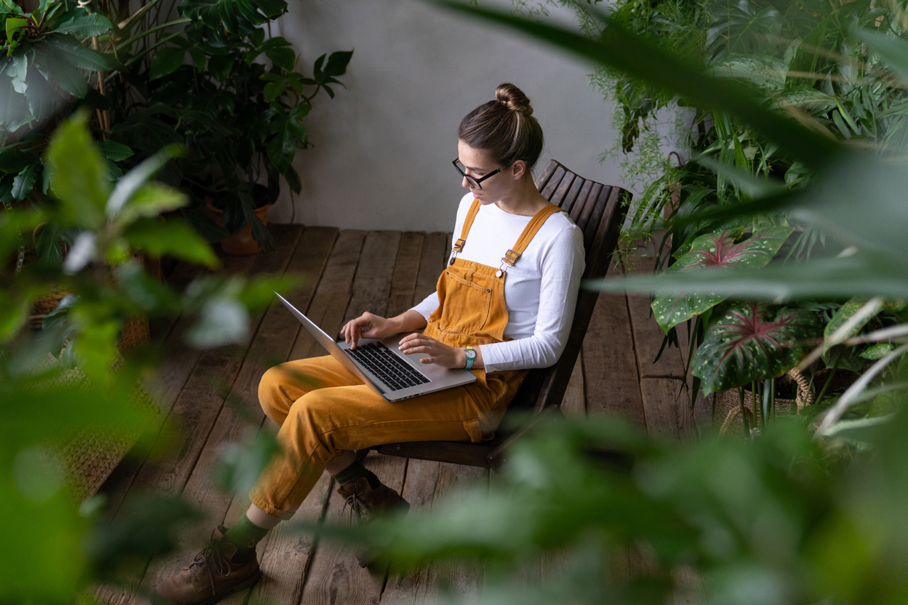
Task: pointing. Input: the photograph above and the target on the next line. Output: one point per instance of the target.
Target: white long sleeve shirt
(540, 289)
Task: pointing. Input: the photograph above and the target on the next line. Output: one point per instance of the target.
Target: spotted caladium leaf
(746, 345)
(715, 251)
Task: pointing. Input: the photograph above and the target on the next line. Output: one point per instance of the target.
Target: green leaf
(151, 200)
(136, 178)
(77, 55)
(281, 150)
(79, 175)
(82, 25)
(710, 252)
(844, 314)
(56, 69)
(198, 57)
(114, 151)
(274, 89)
(166, 61)
(865, 274)
(745, 346)
(14, 111)
(25, 181)
(220, 67)
(337, 63)
(877, 351)
(892, 50)
(293, 180)
(282, 57)
(176, 238)
(12, 160)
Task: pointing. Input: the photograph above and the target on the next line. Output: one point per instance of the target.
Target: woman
(504, 304)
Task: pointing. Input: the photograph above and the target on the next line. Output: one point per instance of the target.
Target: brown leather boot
(211, 576)
(366, 503)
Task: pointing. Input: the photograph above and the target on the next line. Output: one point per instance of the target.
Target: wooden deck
(208, 398)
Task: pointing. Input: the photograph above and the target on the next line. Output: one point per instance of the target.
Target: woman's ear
(518, 169)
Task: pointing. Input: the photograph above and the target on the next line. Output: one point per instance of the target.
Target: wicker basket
(727, 413)
(91, 455)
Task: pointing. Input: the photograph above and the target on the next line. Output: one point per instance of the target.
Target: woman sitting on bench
(504, 304)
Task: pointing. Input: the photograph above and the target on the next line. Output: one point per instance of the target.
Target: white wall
(383, 147)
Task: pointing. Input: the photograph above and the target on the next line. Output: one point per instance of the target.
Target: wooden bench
(599, 211)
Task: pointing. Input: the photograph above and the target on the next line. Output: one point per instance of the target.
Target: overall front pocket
(466, 304)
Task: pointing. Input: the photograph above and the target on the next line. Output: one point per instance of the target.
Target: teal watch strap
(471, 356)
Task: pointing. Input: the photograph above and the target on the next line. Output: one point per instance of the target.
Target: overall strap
(474, 210)
(526, 237)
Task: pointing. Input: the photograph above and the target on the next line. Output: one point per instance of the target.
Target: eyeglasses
(472, 180)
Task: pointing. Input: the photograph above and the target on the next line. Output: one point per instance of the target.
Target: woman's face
(478, 164)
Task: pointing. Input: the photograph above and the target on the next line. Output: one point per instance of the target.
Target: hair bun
(513, 98)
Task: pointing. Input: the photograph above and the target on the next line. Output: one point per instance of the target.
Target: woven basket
(727, 413)
(91, 455)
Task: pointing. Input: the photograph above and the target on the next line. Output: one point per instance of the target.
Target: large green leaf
(79, 174)
(115, 151)
(77, 55)
(25, 181)
(746, 346)
(644, 59)
(82, 25)
(49, 60)
(864, 274)
(175, 238)
(166, 61)
(130, 184)
(710, 252)
(281, 149)
(14, 111)
(151, 200)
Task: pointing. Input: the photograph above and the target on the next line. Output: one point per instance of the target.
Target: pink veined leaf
(748, 345)
(715, 251)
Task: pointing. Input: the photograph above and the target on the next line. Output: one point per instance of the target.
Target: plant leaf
(176, 238)
(136, 178)
(149, 201)
(281, 149)
(25, 181)
(115, 151)
(77, 55)
(715, 251)
(745, 346)
(82, 25)
(78, 174)
(166, 61)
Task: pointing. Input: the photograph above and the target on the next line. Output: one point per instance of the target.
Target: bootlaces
(356, 506)
(211, 556)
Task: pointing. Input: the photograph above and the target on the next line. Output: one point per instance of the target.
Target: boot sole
(161, 600)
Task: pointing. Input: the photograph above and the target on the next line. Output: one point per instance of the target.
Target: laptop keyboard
(387, 366)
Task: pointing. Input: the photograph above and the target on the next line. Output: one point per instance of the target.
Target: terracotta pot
(241, 242)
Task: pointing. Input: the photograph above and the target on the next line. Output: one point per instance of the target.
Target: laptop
(381, 365)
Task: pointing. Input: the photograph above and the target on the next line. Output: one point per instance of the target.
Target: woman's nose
(465, 183)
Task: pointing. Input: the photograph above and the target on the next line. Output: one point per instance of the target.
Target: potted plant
(241, 121)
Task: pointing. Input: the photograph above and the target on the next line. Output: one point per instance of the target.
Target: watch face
(471, 354)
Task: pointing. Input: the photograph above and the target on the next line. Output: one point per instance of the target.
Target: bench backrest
(599, 211)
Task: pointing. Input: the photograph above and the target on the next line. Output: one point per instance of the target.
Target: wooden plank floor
(209, 398)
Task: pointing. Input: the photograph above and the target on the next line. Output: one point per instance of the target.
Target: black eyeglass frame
(472, 179)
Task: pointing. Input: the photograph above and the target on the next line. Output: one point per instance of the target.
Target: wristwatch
(471, 357)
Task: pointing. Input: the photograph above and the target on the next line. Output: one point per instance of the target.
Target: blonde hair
(504, 128)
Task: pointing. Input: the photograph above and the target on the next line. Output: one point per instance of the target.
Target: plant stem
(153, 30)
(835, 368)
(743, 411)
(753, 402)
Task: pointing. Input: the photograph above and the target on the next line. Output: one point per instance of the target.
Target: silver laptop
(381, 365)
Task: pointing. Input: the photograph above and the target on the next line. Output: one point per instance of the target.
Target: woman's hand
(438, 353)
(368, 325)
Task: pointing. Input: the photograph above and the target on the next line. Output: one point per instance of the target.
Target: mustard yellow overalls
(332, 411)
